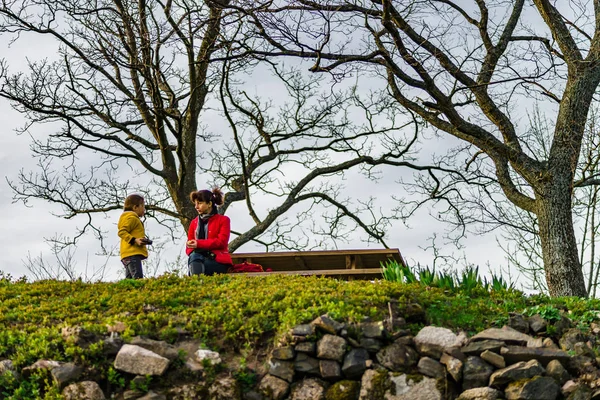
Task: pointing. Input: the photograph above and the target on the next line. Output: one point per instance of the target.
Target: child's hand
(139, 241)
(191, 244)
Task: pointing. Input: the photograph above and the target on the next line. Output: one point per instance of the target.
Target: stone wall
(332, 360)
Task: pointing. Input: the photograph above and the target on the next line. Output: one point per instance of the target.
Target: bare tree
(469, 70)
(125, 104)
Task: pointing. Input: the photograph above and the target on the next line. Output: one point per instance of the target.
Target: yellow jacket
(130, 228)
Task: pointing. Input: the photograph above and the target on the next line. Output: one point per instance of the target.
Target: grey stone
(556, 371)
(478, 347)
(397, 357)
(505, 334)
(494, 359)
(284, 353)
(372, 383)
(86, 390)
(139, 361)
(414, 389)
(372, 345)
(303, 330)
(514, 354)
(153, 396)
(432, 341)
(453, 366)
(224, 389)
(161, 348)
(331, 347)
(328, 325)
(476, 373)
(282, 369)
(482, 393)
(308, 389)
(538, 388)
(273, 387)
(343, 390)
(515, 372)
(432, 368)
(355, 363)
(537, 324)
(374, 330)
(66, 373)
(306, 347)
(330, 370)
(306, 364)
(518, 322)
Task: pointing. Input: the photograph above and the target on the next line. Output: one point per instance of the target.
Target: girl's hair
(131, 201)
(216, 196)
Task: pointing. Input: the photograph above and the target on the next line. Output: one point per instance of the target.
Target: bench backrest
(320, 259)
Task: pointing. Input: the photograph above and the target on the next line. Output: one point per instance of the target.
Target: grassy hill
(237, 315)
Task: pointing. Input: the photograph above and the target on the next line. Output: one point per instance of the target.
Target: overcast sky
(23, 229)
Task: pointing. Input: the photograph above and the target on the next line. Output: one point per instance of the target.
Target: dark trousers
(133, 267)
(201, 265)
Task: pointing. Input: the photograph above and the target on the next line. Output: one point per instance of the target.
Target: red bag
(246, 267)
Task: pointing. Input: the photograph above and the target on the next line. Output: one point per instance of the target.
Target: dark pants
(133, 267)
(199, 264)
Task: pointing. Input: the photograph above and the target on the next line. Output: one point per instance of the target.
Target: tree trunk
(564, 274)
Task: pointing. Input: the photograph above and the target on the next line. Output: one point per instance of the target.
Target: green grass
(235, 313)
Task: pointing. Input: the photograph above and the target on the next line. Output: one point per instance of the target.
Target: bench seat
(348, 264)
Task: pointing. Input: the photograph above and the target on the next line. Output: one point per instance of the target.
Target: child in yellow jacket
(133, 236)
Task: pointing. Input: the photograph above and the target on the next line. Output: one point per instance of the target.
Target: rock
(518, 322)
(224, 389)
(374, 383)
(556, 371)
(330, 370)
(331, 347)
(66, 373)
(282, 369)
(537, 324)
(371, 345)
(505, 334)
(538, 388)
(343, 390)
(482, 393)
(159, 347)
(478, 347)
(515, 372)
(355, 363)
(453, 366)
(153, 396)
(273, 387)
(139, 361)
(494, 359)
(513, 354)
(78, 335)
(409, 389)
(433, 341)
(309, 389)
(86, 390)
(284, 353)
(306, 347)
(207, 356)
(476, 373)
(304, 330)
(432, 368)
(373, 330)
(306, 364)
(397, 357)
(326, 324)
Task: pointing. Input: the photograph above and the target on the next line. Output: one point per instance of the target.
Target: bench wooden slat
(320, 260)
(370, 272)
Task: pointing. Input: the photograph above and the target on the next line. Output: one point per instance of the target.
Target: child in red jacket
(208, 236)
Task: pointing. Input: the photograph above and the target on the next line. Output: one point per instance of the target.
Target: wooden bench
(347, 264)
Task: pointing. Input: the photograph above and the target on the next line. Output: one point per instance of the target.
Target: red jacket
(217, 241)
